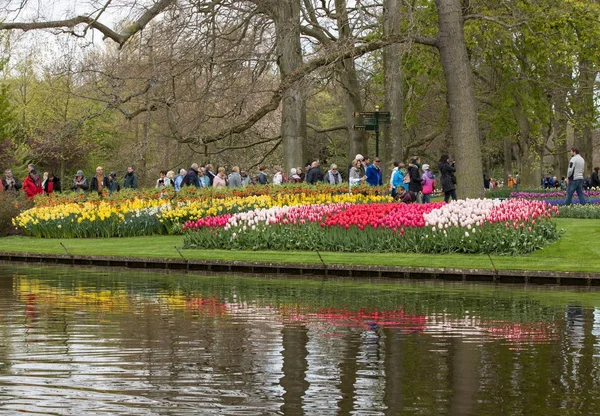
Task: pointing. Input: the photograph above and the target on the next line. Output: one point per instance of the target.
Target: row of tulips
(188, 194)
(135, 217)
(594, 192)
(471, 226)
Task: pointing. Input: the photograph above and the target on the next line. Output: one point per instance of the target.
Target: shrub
(11, 205)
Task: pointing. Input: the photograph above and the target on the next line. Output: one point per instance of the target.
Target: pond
(89, 341)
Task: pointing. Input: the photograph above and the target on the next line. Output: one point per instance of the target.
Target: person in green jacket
(130, 180)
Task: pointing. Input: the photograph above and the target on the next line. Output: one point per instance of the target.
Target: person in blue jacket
(374, 175)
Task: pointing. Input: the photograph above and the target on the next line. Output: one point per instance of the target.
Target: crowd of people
(413, 182)
(48, 183)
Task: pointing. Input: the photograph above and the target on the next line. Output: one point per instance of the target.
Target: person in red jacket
(32, 185)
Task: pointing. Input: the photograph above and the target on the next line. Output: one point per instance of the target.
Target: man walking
(575, 177)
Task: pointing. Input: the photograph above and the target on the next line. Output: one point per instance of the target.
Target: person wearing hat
(80, 182)
(333, 176)
(294, 177)
(427, 183)
(352, 164)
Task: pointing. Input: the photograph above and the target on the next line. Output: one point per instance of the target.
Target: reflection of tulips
(472, 226)
(359, 319)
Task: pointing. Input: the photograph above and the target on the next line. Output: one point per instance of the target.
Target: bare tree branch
(224, 149)
(109, 33)
(267, 154)
(333, 56)
(326, 130)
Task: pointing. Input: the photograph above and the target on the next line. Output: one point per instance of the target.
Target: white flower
(466, 233)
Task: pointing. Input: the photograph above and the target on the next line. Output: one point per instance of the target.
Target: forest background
(503, 86)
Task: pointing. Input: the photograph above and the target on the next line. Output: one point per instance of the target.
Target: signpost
(372, 120)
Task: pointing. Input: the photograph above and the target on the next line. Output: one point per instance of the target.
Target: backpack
(187, 179)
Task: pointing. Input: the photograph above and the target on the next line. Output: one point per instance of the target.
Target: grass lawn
(578, 250)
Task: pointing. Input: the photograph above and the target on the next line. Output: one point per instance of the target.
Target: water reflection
(76, 341)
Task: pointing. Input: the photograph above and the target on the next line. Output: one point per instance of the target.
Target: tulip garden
(470, 226)
(129, 214)
(302, 218)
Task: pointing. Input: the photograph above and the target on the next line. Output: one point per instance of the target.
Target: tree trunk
(585, 113)
(289, 58)
(394, 100)
(461, 99)
(357, 142)
(529, 158)
(559, 125)
(508, 153)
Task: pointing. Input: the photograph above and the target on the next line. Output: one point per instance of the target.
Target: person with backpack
(191, 177)
(428, 183)
(263, 179)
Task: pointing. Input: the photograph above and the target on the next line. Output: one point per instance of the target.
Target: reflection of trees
(180, 344)
(463, 363)
(295, 366)
(348, 369)
(394, 370)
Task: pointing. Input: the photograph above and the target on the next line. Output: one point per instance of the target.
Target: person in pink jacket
(427, 183)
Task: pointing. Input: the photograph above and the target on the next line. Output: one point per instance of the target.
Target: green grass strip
(578, 250)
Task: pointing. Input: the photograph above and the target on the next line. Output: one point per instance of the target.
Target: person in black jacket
(314, 175)
(191, 177)
(595, 179)
(10, 182)
(52, 184)
(80, 182)
(415, 185)
(447, 170)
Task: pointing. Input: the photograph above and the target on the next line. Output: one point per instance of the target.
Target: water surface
(82, 341)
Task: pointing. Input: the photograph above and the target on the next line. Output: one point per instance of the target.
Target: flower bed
(471, 226)
(135, 217)
(551, 194)
(188, 194)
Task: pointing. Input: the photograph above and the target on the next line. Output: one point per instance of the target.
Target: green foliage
(588, 211)
(492, 239)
